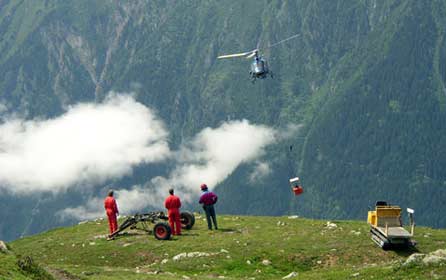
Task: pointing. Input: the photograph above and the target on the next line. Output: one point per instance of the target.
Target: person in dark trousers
(173, 204)
(208, 199)
(112, 211)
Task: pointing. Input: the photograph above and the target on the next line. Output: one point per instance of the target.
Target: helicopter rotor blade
(253, 53)
(234, 55)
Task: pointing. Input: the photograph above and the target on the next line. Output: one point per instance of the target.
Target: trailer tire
(187, 220)
(162, 231)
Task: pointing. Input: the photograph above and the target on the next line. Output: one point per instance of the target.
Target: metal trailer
(161, 230)
(387, 229)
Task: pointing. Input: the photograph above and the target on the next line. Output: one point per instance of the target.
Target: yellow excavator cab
(385, 214)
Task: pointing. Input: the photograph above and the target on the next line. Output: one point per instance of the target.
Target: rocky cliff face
(365, 80)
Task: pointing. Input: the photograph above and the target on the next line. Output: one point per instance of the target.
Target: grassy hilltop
(245, 247)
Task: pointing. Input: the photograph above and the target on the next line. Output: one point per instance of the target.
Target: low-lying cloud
(216, 152)
(261, 170)
(93, 143)
(129, 201)
(210, 157)
(88, 144)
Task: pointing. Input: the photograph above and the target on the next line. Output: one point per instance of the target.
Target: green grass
(9, 268)
(12, 267)
(236, 251)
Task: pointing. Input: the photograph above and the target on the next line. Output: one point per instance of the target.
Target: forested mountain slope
(364, 81)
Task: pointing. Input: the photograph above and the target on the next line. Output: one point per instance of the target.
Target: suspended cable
(284, 40)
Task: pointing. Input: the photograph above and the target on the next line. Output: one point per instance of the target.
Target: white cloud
(210, 157)
(289, 131)
(3, 108)
(91, 210)
(260, 171)
(216, 152)
(128, 201)
(90, 143)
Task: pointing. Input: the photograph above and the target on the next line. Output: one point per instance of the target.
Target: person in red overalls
(112, 211)
(173, 204)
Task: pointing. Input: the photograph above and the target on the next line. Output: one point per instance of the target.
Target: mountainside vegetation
(245, 247)
(364, 81)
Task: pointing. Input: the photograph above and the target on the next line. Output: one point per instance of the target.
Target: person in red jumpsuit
(173, 204)
(112, 211)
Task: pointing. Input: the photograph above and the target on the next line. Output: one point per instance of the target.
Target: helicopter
(259, 66)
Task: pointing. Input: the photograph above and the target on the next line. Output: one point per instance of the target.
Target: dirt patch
(331, 260)
(146, 257)
(302, 261)
(61, 274)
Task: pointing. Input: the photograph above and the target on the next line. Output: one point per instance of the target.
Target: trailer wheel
(162, 231)
(187, 220)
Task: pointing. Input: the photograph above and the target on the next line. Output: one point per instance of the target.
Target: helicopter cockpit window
(258, 66)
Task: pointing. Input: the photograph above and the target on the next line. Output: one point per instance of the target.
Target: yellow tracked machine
(387, 228)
